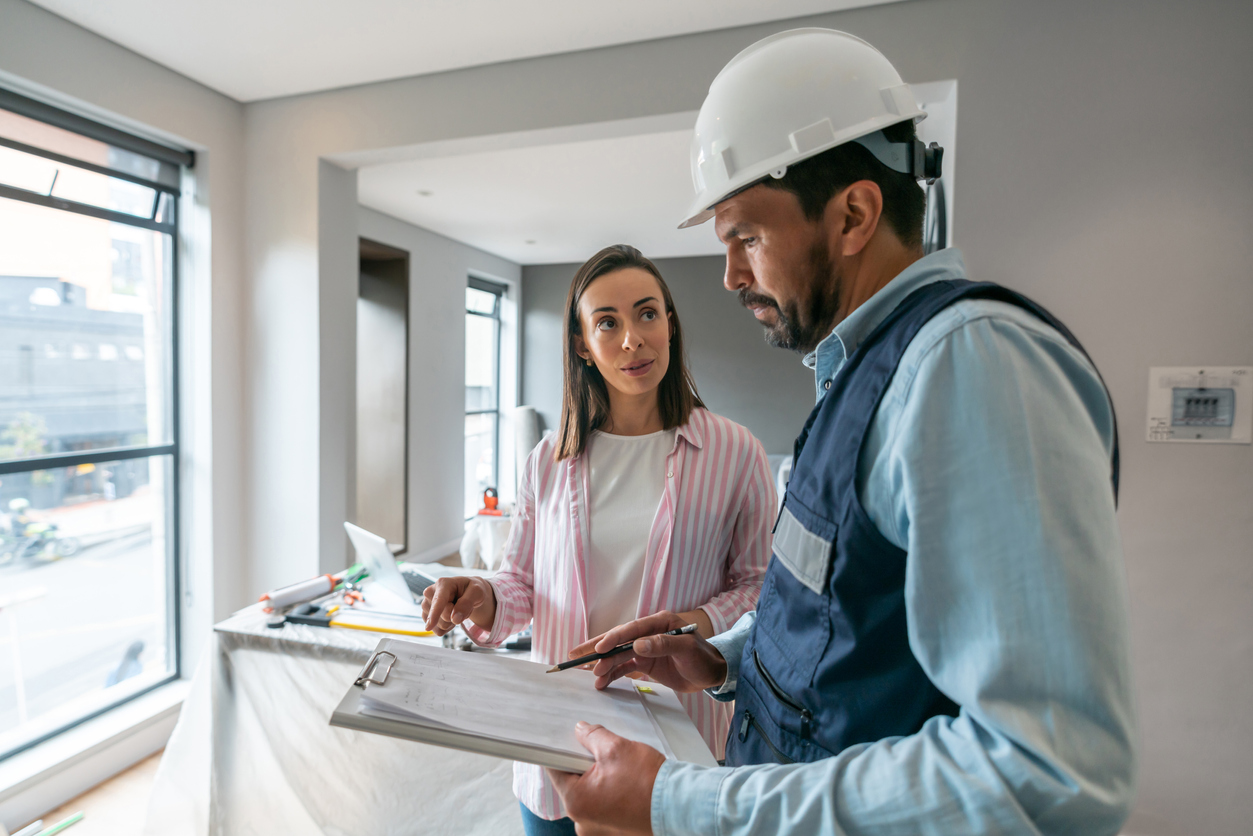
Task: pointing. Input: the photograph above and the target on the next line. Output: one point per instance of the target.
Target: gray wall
(737, 373)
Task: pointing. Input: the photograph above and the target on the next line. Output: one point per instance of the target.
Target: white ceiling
(260, 49)
(554, 196)
(570, 199)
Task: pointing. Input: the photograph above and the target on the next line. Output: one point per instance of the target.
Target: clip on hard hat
(928, 161)
(921, 161)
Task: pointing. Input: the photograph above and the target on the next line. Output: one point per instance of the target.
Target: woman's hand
(450, 601)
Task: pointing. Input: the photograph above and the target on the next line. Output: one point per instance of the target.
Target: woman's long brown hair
(585, 398)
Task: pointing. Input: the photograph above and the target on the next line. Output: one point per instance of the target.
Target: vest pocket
(793, 612)
(805, 554)
(757, 735)
(751, 721)
(807, 717)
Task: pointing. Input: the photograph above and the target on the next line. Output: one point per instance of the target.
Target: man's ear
(858, 210)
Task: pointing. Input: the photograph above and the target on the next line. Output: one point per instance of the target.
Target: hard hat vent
(813, 138)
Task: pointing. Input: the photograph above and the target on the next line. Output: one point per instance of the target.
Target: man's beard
(801, 330)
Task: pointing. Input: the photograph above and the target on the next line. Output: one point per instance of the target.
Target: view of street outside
(86, 367)
(72, 627)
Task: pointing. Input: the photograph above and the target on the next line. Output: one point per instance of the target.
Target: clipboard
(385, 668)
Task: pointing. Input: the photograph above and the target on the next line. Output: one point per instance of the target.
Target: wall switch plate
(1211, 404)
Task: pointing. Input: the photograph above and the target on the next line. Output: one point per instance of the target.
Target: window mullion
(82, 209)
(103, 454)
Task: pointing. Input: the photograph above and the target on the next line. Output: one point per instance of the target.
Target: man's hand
(684, 663)
(450, 601)
(616, 794)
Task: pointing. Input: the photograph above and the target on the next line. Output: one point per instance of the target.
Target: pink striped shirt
(708, 548)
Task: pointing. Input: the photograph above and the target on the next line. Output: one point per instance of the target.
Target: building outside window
(89, 442)
(482, 453)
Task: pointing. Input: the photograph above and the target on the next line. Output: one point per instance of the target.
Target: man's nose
(739, 273)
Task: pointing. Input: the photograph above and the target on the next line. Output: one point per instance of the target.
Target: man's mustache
(756, 300)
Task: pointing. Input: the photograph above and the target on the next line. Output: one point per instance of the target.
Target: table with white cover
(253, 752)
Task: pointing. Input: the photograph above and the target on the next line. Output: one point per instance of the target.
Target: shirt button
(670, 475)
(826, 384)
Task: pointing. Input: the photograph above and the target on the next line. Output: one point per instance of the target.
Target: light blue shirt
(988, 462)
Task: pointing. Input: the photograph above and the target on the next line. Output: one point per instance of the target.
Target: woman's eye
(605, 325)
(648, 316)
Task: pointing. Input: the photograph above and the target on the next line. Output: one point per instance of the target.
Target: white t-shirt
(626, 482)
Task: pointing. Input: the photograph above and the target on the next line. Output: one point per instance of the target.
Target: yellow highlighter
(374, 628)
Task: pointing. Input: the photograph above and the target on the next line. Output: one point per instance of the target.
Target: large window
(89, 445)
(482, 466)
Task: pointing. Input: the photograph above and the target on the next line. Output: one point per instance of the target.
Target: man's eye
(748, 241)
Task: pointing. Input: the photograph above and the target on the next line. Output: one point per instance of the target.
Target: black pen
(622, 648)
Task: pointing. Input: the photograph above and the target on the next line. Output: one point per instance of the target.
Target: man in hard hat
(941, 644)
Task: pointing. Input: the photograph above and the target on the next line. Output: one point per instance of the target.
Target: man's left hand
(616, 794)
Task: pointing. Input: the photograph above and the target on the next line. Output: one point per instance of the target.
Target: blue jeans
(535, 826)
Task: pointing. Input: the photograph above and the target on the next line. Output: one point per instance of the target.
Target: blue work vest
(828, 663)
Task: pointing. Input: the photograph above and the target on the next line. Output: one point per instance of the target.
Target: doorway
(383, 392)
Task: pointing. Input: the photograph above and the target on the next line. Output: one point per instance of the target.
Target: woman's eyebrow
(636, 305)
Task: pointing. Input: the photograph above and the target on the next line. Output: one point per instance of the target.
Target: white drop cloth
(253, 752)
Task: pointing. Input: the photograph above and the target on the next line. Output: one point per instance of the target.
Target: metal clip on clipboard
(372, 664)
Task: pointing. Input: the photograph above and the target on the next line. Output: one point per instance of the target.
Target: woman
(644, 501)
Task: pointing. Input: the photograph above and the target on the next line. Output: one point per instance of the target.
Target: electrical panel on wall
(1211, 405)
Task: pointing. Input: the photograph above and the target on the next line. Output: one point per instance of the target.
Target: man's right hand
(450, 601)
(684, 663)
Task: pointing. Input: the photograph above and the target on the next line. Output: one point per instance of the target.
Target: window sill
(48, 775)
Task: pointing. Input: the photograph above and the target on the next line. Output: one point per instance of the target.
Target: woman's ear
(580, 347)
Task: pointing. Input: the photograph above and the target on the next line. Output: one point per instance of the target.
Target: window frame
(498, 291)
(183, 161)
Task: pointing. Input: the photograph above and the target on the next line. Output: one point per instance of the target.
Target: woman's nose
(631, 340)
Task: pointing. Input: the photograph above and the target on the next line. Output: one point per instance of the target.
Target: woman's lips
(638, 369)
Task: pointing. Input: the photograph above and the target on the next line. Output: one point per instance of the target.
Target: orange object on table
(490, 501)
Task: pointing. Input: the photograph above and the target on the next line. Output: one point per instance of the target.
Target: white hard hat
(791, 96)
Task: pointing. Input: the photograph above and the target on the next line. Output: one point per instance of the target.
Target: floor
(116, 807)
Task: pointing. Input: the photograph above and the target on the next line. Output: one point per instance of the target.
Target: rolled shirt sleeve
(731, 645)
(514, 584)
(991, 468)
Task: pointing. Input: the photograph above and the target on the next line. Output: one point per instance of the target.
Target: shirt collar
(690, 432)
(828, 358)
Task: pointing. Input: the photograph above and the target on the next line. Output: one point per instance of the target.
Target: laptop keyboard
(415, 581)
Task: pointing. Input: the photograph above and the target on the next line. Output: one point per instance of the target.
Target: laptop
(403, 581)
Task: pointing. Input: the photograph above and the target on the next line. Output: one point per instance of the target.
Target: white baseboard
(45, 777)
(435, 552)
